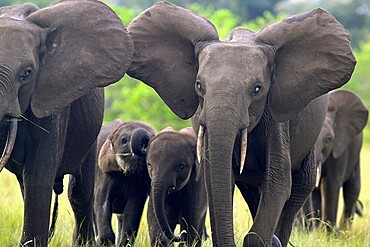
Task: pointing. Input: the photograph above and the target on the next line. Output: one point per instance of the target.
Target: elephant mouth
(243, 145)
(130, 163)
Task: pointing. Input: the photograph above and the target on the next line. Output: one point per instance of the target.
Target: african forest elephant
(178, 191)
(122, 182)
(338, 157)
(257, 89)
(53, 65)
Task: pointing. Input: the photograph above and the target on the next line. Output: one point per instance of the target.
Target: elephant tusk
(243, 149)
(318, 174)
(12, 133)
(200, 141)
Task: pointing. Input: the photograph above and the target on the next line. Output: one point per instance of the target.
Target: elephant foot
(252, 239)
(105, 240)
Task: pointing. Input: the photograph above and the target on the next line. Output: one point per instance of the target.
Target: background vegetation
(132, 100)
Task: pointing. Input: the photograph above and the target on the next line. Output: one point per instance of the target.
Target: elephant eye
(180, 167)
(124, 140)
(198, 86)
(257, 89)
(327, 140)
(25, 74)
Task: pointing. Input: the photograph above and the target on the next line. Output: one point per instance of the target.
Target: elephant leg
(275, 189)
(37, 202)
(41, 164)
(351, 192)
(308, 213)
(80, 195)
(303, 183)
(330, 198)
(120, 219)
(104, 233)
(131, 220)
(191, 225)
(316, 203)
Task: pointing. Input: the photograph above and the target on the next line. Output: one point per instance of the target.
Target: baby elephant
(338, 157)
(122, 183)
(178, 192)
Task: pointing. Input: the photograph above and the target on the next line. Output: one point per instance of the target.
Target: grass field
(11, 218)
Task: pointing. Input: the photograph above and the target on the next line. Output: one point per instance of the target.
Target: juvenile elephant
(121, 183)
(53, 63)
(262, 90)
(338, 157)
(178, 191)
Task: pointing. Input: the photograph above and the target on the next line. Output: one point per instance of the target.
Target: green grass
(11, 218)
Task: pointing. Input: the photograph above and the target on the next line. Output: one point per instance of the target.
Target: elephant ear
(168, 128)
(18, 12)
(189, 133)
(87, 46)
(165, 38)
(312, 56)
(350, 118)
(106, 159)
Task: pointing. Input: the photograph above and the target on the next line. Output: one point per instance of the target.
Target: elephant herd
(266, 112)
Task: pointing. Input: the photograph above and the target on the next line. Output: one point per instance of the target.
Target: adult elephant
(338, 157)
(254, 89)
(53, 63)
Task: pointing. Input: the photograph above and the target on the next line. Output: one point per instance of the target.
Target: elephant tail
(58, 189)
(359, 208)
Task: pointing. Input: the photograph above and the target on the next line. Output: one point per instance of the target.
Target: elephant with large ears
(262, 90)
(338, 158)
(122, 182)
(54, 63)
(178, 192)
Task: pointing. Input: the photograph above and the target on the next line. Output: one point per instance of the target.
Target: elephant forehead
(169, 145)
(328, 126)
(19, 37)
(232, 57)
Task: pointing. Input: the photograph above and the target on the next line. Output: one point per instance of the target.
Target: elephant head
(171, 161)
(125, 150)
(345, 119)
(276, 71)
(50, 57)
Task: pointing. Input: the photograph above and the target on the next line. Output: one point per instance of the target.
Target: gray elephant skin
(178, 189)
(338, 151)
(122, 182)
(53, 64)
(259, 95)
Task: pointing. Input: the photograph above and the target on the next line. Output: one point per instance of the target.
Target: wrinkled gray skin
(337, 152)
(178, 189)
(49, 81)
(122, 182)
(267, 84)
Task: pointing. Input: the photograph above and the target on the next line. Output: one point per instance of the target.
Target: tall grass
(11, 218)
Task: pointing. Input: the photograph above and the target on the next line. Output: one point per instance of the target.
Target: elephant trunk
(222, 128)
(12, 133)
(159, 192)
(139, 142)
